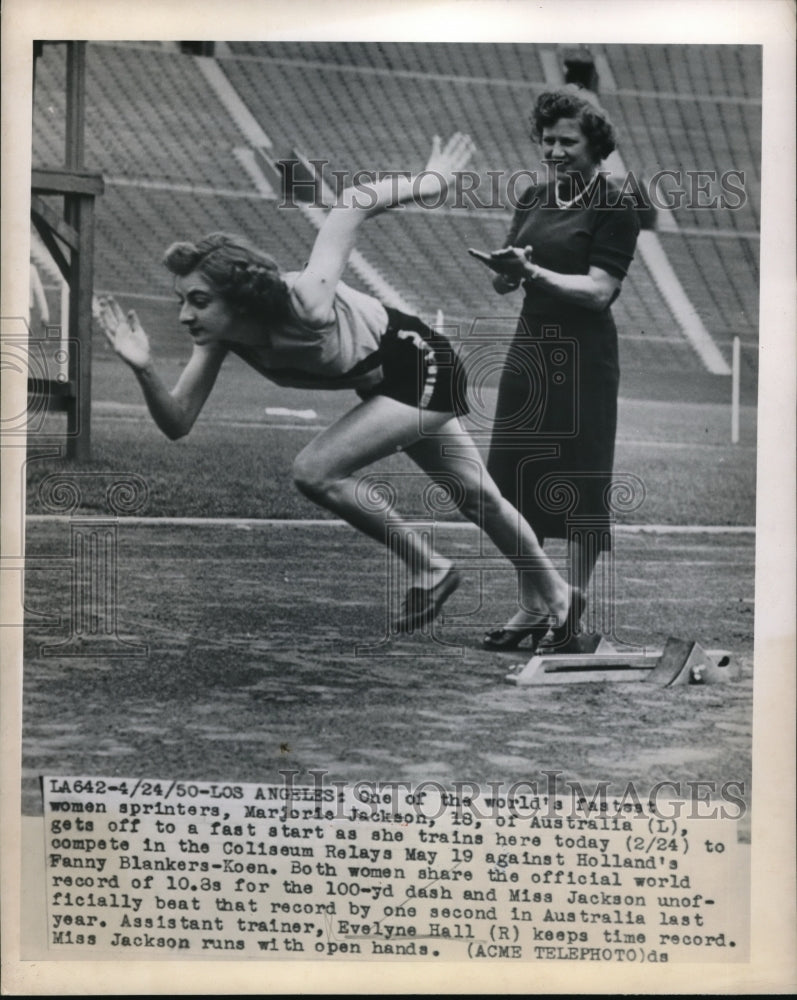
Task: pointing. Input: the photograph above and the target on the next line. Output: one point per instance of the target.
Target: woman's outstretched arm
(314, 290)
(173, 411)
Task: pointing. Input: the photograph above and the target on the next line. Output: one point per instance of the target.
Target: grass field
(252, 646)
(237, 460)
(266, 643)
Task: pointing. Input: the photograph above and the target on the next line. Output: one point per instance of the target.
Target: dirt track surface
(254, 663)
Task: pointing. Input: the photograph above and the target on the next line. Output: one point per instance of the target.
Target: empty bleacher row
(183, 133)
(730, 71)
(694, 71)
(163, 138)
(495, 61)
(389, 118)
(150, 114)
(358, 120)
(135, 225)
(685, 137)
(658, 133)
(720, 276)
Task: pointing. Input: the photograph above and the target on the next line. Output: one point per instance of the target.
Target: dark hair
(247, 277)
(569, 103)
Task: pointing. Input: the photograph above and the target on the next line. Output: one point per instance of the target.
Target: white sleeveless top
(341, 354)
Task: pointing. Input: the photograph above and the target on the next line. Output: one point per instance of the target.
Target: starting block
(679, 662)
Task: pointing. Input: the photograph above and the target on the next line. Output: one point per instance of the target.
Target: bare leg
(325, 472)
(453, 454)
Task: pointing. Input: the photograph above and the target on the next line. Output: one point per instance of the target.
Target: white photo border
(770, 23)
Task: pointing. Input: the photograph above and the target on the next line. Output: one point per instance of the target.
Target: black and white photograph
(398, 492)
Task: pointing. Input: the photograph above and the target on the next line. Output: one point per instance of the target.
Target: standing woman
(310, 330)
(570, 245)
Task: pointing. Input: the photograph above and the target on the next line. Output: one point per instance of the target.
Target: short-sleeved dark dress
(552, 447)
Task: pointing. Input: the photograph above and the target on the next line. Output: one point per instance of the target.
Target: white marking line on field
(319, 522)
(284, 411)
(134, 411)
(636, 442)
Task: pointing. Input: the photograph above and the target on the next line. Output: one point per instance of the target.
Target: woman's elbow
(603, 293)
(601, 298)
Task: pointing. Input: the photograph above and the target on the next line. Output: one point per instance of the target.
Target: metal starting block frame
(681, 661)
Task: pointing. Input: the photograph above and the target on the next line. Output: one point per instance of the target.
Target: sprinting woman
(310, 330)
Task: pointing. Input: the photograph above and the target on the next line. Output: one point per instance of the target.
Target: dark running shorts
(419, 367)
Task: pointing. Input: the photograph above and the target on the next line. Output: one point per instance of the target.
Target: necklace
(569, 204)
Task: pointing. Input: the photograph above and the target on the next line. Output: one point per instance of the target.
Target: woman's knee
(310, 475)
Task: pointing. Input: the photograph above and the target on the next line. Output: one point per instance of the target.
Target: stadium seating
(690, 70)
(658, 133)
(166, 145)
(720, 273)
(489, 62)
(150, 115)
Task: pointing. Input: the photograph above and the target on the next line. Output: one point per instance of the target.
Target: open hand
(124, 332)
(453, 156)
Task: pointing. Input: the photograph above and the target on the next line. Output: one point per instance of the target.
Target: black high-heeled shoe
(563, 633)
(505, 639)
